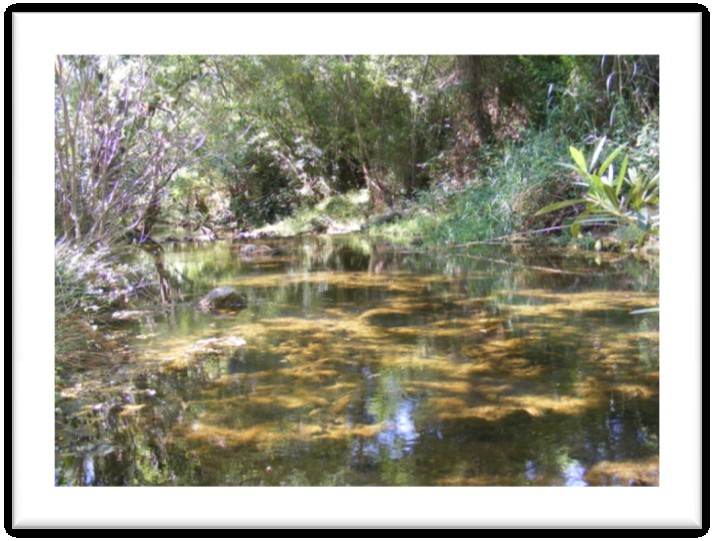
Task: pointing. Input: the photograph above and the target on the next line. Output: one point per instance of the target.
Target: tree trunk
(375, 189)
(474, 75)
(150, 246)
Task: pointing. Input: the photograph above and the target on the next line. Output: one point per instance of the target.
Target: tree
(119, 140)
(120, 137)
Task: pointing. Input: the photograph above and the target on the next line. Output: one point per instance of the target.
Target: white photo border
(38, 37)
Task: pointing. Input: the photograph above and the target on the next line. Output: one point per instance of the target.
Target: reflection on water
(367, 365)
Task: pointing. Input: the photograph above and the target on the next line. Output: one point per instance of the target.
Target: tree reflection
(367, 366)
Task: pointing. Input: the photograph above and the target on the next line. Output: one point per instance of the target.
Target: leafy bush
(597, 94)
(342, 207)
(260, 190)
(90, 281)
(623, 196)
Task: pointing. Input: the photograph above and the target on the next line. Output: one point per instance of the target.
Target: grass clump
(89, 284)
(338, 213)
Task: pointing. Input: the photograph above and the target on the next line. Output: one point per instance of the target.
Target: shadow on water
(367, 365)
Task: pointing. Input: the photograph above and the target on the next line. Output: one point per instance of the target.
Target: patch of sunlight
(635, 391)
(567, 405)
(470, 481)
(456, 386)
(643, 472)
(131, 409)
(392, 280)
(230, 437)
(574, 301)
(345, 431)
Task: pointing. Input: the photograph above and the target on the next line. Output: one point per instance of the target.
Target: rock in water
(222, 298)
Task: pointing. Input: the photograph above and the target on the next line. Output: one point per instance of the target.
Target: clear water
(370, 365)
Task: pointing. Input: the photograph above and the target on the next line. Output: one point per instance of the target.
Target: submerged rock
(221, 345)
(222, 298)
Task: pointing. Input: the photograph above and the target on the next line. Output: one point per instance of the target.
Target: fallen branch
(498, 240)
(529, 267)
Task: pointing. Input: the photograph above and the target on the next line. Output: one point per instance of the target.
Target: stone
(222, 298)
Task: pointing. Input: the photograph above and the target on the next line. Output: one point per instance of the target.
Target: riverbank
(428, 223)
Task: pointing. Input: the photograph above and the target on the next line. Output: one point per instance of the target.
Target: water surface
(370, 365)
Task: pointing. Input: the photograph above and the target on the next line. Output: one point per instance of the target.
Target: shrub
(94, 280)
(618, 196)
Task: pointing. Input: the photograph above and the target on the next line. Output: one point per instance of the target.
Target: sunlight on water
(368, 365)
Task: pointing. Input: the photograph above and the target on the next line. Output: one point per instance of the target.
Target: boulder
(222, 298)
(385, 218)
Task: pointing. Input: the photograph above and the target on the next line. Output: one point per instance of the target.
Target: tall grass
(89, 284)
(511, 183)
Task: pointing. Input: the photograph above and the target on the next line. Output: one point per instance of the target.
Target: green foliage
(342, 212)
(511, 184)
(350, 206)
(544, 78)
(119, 138)
(478, 212)
(645, 154)
(618, 196)
(527, 176)
(260, 190)
(470, 143)
(603, 94)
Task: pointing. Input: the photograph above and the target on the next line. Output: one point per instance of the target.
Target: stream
(367, 364)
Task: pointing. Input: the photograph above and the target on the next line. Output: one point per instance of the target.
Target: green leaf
(614, 154)
(575, 228)
(611, 196)
(599, 218)
(596, 184)
(560, 205)
(631, 175)
(643, 219)
(579, 159)
(620, 176)
(610, 175)
(596, 154)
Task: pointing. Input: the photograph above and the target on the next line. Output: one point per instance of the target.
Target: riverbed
(369, 364)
